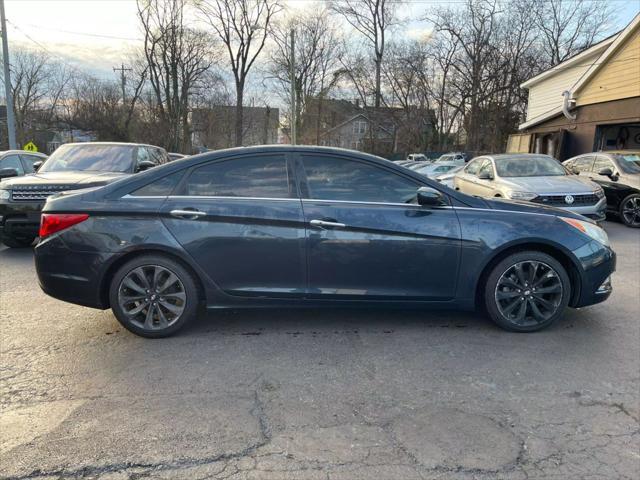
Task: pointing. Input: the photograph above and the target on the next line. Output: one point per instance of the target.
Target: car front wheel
(630, 210)
(527, 291)
(153, 296)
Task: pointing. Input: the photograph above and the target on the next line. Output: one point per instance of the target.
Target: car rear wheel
(527, 291)
(153, 296)
(17, 242)
(630, 210)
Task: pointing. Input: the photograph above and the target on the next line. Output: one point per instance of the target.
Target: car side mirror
(607, 172)
(485, 176)
(37, 165)
(575, 170)
(430, 196)
(144, 165)
(8, 172)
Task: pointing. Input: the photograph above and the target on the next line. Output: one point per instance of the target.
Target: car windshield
(91, 158)
(629, 162)
(529, 167)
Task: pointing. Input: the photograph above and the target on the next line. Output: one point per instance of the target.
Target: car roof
(621, 152)
(129, 144)
(23, 152)
(516, 156)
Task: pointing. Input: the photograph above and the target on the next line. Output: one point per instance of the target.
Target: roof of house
(604, 49)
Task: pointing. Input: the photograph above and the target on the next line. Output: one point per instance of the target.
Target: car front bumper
(595, 212)
(597, 264)
(20, 220)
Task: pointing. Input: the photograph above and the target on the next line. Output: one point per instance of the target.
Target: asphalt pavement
(319, 394)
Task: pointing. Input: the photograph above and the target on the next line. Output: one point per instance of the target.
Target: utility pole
(293, 89)
(11, 121)
(123, 79)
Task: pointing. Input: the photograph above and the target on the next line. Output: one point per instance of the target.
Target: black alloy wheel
(153, 296)
(630, 210)
(527, 291)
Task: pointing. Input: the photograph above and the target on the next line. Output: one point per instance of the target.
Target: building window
(360, 127)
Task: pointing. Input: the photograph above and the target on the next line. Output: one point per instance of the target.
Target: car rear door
(365, 242)
(241, 220)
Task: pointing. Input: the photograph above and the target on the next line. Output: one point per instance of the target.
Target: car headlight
(5, 194)
(589, 229)
(599, 193)
(522, 195)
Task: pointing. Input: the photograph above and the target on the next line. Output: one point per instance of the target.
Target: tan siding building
(587, 103)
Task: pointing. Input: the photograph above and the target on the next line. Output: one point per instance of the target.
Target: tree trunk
(378, 62)
(239, 112)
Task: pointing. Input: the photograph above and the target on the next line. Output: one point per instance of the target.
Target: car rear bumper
(70, 275)
(597, 265)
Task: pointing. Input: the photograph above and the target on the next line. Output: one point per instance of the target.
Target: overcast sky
(96, 35)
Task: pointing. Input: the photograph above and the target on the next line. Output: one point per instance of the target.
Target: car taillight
(54, 222)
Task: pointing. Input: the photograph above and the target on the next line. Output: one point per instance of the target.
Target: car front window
(529, 167)
(629, 162)
(333, 178)
(91, 158)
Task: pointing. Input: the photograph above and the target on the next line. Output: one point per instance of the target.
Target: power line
(46, 49)
(97, 35)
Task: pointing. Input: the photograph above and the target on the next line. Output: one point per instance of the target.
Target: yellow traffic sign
(30, 147)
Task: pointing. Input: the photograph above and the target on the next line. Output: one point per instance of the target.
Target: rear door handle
(326, 224)
(191, 214)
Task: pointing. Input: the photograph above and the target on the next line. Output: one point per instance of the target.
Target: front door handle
(187, 213)
(326, 224)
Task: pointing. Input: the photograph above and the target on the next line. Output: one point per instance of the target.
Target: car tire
(14, 242)
(153, 296)
(527, 291)
(629, 210)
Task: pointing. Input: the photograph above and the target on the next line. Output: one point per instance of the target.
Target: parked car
(72, 166)
(437, 168)
(533, 178)
(417, 157)
(15, 163)
(618, 173)
(285, 225)
(456, 157)
(447, 178)
(417, 165)
(175, 156)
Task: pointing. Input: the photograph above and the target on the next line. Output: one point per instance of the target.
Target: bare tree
(316, 69)
(243, 26)
(177, 57)
(38, 87)
(568, 26)
(474, 29)
(371, 18)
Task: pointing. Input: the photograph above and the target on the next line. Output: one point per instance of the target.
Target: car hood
(73, 179)
(550, 184)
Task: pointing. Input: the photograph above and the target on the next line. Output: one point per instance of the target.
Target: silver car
(447, 178)
(434, 169)
(532, 177)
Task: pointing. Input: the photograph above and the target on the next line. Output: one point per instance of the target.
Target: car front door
(485, 187)
(365, 241)
(614, 191)
(465, 181)
(241, 220)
